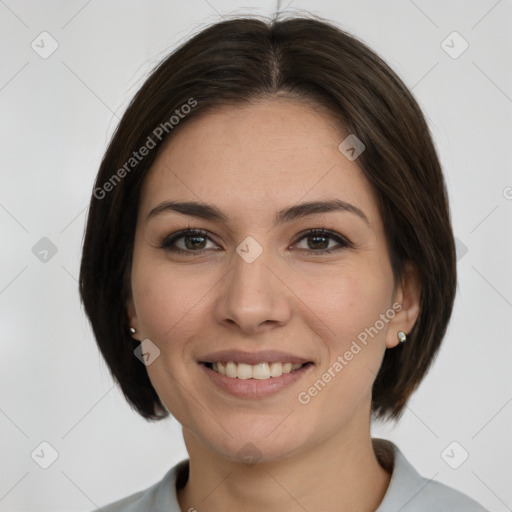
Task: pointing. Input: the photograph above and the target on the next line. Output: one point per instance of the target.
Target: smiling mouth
(260, 371)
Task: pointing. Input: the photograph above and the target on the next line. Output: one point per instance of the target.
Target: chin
(256, 439)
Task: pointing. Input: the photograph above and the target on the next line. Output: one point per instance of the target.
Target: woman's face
(255, 288)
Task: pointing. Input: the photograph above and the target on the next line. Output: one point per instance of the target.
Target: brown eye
(318, 241)
(187, 241)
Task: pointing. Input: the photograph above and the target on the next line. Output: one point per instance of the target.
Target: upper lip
(263, 356)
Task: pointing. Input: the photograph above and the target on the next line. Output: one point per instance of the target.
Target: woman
(269, 258)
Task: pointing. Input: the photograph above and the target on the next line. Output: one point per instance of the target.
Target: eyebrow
(210, 212)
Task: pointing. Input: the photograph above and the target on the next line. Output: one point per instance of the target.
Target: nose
(253, 297)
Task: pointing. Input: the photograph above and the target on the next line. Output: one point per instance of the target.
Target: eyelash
(167, 242)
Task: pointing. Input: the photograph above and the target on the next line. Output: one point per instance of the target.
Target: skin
(251, 162)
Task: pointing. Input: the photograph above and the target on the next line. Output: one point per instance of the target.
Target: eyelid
(323, 232)
(342, 241)
(167, 242)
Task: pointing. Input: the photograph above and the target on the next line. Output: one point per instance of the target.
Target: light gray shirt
(408, 491)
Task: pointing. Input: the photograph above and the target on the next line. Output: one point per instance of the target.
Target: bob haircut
(247, 59)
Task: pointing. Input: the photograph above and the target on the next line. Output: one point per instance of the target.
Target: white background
(57, 115)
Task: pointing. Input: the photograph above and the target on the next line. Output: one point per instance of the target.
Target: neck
(341, 474)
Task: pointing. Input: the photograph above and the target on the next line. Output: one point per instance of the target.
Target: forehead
(258, 157)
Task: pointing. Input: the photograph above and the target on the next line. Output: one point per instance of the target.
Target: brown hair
(241, 60)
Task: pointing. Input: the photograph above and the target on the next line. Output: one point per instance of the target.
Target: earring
(402, 337)
(133, 330)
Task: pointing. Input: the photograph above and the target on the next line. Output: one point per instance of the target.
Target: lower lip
(254, 388)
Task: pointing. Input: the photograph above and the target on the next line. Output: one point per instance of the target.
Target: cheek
(354, 345)
(168, 306)
(165, 301)
(346, 301)
(347, 308)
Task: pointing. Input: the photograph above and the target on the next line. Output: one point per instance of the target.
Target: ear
(406, 302)
(132, 315)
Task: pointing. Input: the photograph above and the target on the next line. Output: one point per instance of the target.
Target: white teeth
(231, 369)
(276, 369)
(244, 371)
(261, 371)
